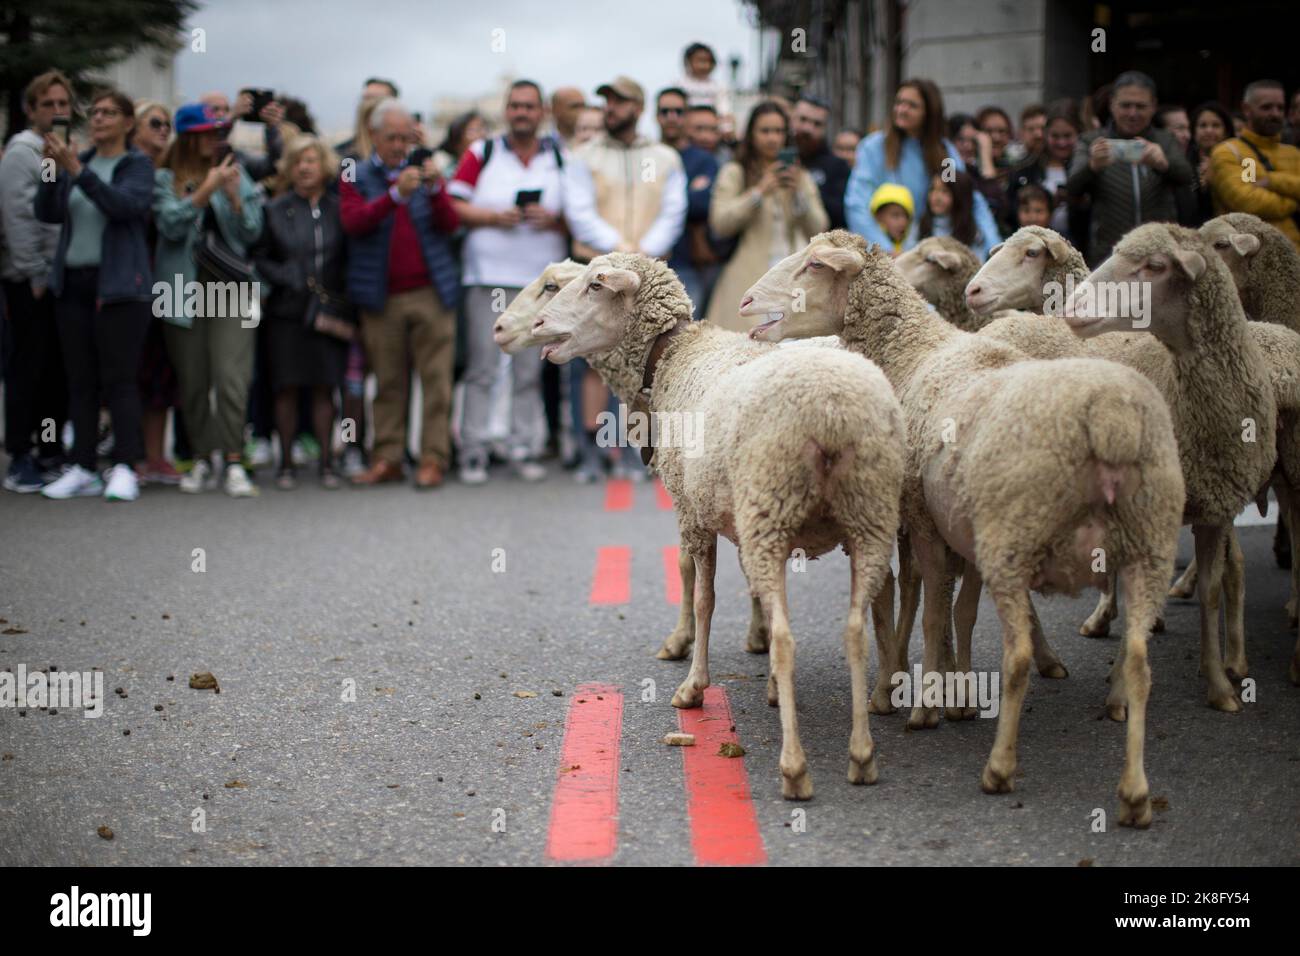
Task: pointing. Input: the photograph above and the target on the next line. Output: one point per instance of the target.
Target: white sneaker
(530, 470)
(236, 482)
(76, 482)
(122, 484)
(196, 479)
(258, 451)
(474, 470)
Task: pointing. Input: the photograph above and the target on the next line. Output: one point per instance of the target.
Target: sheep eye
(1156, 266)
(593, 286)
(550, 287)
(1032, 253)
(1221, 243)
(814, 264)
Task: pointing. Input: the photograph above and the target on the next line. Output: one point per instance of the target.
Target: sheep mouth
(757, 331)
(555, 345)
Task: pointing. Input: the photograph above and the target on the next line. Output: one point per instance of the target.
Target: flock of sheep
(1017, 450)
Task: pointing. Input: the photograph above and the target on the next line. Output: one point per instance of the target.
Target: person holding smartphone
(102, 285)
(507, 192)
(769, 202)
(201, 189)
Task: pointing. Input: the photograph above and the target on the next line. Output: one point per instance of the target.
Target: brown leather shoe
(378, 473)
(429, 475)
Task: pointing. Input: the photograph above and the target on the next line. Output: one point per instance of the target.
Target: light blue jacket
(180, 223)
(869, 172)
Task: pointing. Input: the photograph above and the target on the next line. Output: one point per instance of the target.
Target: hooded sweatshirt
(28, 250)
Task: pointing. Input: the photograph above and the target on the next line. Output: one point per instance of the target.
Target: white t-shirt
(510, 258)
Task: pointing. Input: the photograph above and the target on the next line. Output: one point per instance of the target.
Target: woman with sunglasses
(102, 284)
(153, 129)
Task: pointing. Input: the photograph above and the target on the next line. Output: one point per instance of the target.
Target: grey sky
(321, 50)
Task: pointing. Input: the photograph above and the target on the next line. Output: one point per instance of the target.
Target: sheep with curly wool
(1028, 470)
(939, 268)
(799, 448)
(513, 333)
(1222, 400)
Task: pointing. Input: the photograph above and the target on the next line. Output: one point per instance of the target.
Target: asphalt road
(395, 590)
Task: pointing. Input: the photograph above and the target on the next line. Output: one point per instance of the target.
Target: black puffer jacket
(1125, 195)
(295, 246)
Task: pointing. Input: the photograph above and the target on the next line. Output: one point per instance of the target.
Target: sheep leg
(691, 691)
(1098, 623)
(683, 635)
(1185, 586)
(909, 599)
(1141, 587)
(936, 582)
(1117, 698)
(1045, 659)
(1015, 612)
(1234, 612)
(963, 614)
(882, 617)
(796, 784)
(1209, 585)
(758, 640)
(862, 751)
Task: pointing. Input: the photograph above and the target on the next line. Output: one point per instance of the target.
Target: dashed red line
(612, 582)
(618, 494)
(724, 826)
(664, 500)
(672, 577)
(584, 813)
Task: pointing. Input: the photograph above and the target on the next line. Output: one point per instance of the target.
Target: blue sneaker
(24, 476)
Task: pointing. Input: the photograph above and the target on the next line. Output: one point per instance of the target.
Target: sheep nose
(972, 291)
(746, 302)
(537, 323)
(498, 328)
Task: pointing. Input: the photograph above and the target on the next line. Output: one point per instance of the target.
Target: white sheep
(802, 448)
(1025, 469)
(513, 333)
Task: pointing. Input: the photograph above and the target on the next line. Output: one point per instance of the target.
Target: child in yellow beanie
(892, 207)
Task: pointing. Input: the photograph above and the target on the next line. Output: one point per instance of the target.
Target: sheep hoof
(796, 787)
(688, 695)
(754, 648)
(863, 771)
(675, 647)
(992, 781)
(1135, 813)
(1158, 625)
(1181, 592)
(1224, 699)
(1237, 671)
(1054, 670)
(758, 641)
(879, 703)
(1116, 711)
(923, 718)
(773, 699)
(1095, 628)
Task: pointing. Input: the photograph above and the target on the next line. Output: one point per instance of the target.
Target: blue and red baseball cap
(197, 118)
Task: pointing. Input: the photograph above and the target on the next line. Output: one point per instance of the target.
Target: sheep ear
(620, 280)
(1192, 262)
(1057, 247)
(996, 249)
(945, 259)
(1245, 244)
(847, 261)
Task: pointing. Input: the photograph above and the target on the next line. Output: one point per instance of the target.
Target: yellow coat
(732, 212)
(1275, 202)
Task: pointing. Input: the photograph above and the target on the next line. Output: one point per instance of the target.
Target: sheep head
(935, 265)
(1148, 284)
(591, 314)
(1236, 247)
(804, 295)
(513, 330)
(1018, 270)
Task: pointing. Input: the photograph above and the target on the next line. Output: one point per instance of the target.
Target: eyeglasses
(671, 111)
(105, 111)
(155, 123)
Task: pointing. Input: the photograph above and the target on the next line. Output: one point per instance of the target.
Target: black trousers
(101, 356)
(35, 389)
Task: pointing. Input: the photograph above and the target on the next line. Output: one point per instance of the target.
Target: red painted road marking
(584, 813)
(672, 577)
(724, 827)
(662, 497)
(612, 583)
(618, 494)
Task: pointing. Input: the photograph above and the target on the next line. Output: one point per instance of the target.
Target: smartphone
(64, 122)
(261, 99)
(417, 156)
(788, 156)
(1125, 150)
(528, 197)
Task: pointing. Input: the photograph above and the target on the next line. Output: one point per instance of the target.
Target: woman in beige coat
(773, 207)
